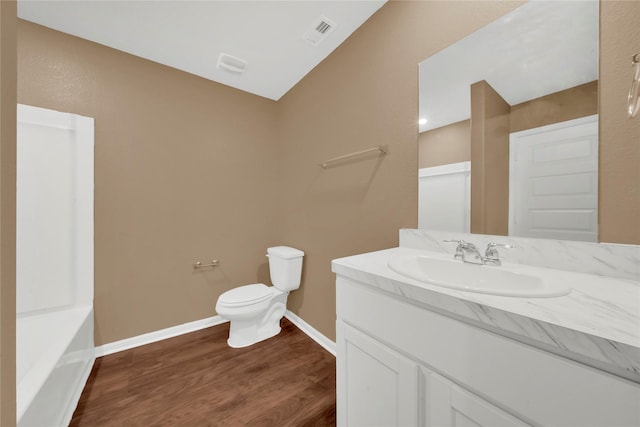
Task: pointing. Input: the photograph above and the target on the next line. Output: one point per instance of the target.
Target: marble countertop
(597, 323)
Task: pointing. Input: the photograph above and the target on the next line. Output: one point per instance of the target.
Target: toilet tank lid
(285, 252)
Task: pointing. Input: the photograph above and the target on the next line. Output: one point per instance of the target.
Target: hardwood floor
(197, 380)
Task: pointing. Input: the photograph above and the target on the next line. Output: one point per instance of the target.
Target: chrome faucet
(468, 252)
(491, 255)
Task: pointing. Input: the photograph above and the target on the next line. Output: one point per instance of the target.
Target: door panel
(448, 405)
(376, 386)
(554, 181)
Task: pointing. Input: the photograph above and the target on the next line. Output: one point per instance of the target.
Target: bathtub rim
(33, 381)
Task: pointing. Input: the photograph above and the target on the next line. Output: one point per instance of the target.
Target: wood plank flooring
(197, 380)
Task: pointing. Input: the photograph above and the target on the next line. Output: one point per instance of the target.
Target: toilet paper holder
(198, 264)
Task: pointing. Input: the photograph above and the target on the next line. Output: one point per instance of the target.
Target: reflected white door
(554, 181)
(444, 197)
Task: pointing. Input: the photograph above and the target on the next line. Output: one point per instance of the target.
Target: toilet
(254, 311)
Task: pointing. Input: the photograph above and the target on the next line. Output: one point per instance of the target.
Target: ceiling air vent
(320, 30)
(232, 64)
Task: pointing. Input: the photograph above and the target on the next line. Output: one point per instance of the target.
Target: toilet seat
(245, 295)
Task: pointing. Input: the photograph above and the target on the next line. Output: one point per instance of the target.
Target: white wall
(444, 197)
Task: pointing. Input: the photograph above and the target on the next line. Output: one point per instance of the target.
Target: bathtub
(54, 356)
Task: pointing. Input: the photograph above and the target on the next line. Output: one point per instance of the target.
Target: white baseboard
(196, 325)
(312, 332)
(160, 335)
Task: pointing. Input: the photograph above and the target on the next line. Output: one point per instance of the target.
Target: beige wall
(181, 176)
(7, 213)
(569, 104)
(490, 161)
(363, 94)
(185, 170)
(445, 145)
(452, 143)
(572, 103)
(619, 156)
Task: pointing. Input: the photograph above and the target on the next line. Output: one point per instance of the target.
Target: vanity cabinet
(383, 388)
(380, 387)
(401, 364)
(445, 404)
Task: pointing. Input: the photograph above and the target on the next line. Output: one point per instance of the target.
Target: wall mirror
(508, 126)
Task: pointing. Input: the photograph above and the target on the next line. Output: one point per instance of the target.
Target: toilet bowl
(254, 311)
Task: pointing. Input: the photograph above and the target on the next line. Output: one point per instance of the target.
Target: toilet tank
(285, 267)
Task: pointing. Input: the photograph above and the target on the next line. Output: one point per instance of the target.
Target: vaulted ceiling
(276, 42)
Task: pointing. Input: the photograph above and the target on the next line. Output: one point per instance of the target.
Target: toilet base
(245, 332)
(244, 338)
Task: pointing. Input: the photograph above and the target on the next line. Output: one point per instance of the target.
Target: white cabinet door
(448, 405)
(376, 386)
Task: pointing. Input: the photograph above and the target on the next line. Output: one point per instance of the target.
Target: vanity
(413, 353)
(542, 330)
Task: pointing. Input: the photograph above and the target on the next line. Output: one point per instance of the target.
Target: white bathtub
(55, 354)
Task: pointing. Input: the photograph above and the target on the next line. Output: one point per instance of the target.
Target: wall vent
(319, 31)
(232, 64)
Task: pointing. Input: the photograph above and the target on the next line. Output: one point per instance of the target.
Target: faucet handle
(492, 245)
(459, 249)
(463, 244)
(460, 242)
(491, 255)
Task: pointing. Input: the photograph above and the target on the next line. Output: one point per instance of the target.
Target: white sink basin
(450, 273)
